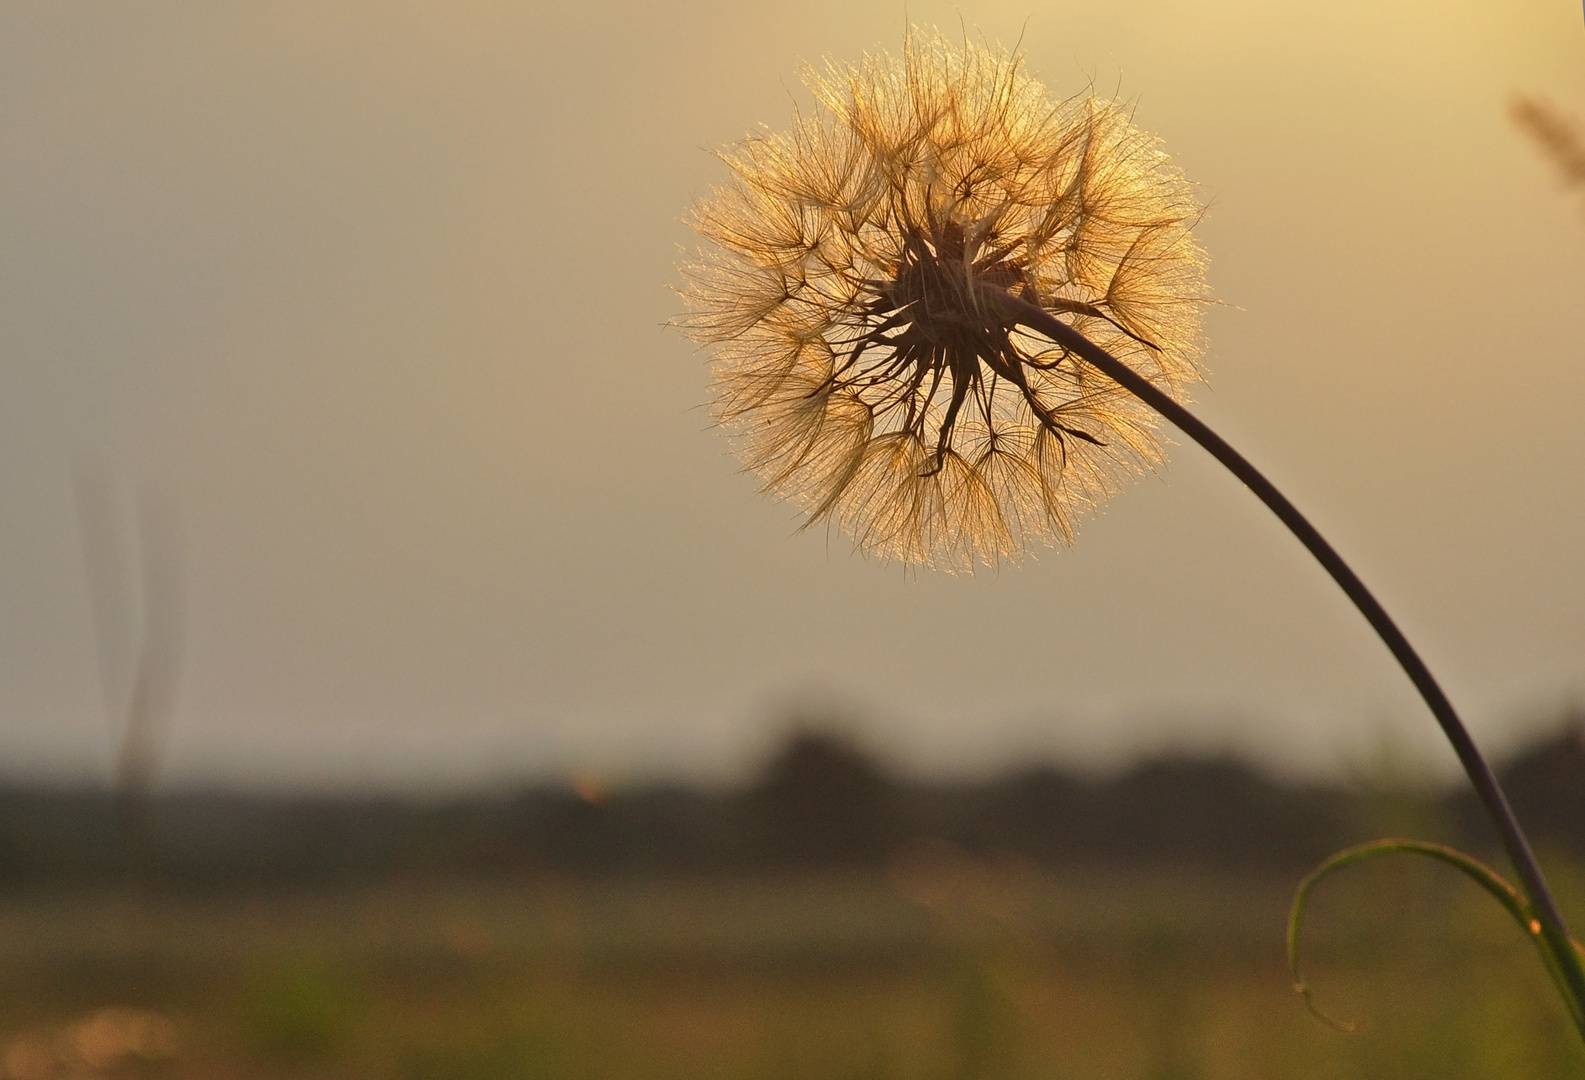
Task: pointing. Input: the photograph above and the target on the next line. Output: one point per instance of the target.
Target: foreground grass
(944, 967)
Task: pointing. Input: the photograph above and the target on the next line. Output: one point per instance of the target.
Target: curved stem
(1479, 772)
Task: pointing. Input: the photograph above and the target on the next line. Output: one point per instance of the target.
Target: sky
(359, 308)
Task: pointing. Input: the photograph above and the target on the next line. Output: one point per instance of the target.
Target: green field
(943, 967)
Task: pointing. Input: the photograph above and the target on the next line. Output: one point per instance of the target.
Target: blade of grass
(1512, 901)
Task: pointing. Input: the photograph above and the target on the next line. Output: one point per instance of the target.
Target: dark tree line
(820, 804)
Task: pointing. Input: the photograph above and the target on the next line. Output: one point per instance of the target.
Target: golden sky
(377, 290)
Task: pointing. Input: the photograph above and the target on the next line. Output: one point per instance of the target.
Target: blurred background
(399, 678)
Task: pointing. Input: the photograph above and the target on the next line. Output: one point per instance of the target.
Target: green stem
(1505, 894)
(1491, 794)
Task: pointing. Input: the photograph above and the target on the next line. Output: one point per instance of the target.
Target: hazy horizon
(375, 295)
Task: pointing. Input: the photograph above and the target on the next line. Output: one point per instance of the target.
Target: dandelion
(947, 314)
(867, 361)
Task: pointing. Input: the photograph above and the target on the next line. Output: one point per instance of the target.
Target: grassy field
(944, 967)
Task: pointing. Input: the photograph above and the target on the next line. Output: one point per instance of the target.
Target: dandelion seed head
(862, 362)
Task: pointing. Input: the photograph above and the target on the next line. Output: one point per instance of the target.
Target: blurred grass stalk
(1560, 136)
(139, 628)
